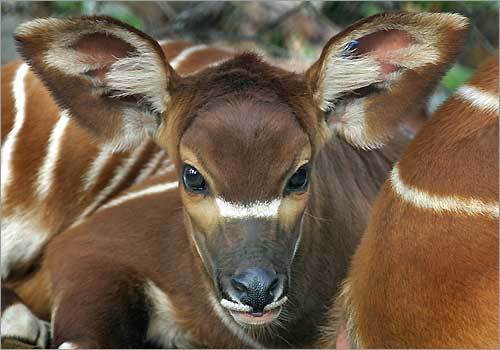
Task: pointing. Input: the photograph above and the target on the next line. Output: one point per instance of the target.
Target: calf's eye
(193, 180)
(299, 180)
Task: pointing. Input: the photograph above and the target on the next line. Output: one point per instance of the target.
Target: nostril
(238, 286)
(273, 287)
(256, 287)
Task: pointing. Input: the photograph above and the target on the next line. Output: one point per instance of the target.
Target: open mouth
(244, 315)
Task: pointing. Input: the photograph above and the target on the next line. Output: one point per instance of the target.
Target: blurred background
(282, 29)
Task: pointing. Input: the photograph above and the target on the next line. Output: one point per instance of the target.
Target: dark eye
(298, 182)
(193, 180)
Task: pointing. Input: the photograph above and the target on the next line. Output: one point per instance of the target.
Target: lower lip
(250, 319)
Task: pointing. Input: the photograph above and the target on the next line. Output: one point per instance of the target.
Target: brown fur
(8, 73)
(79, 148)
(202, 58)
(387, 49)
(422, 279)
(249, 124)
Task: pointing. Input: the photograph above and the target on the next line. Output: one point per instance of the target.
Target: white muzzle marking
(239, 307)
(232, 306)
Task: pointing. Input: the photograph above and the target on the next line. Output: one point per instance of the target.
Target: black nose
(257, 287)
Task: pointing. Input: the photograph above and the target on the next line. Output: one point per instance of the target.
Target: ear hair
(121, 73)
(343, 72)
(355, 74)
(122, 79)
(135, 74)
(381, 69)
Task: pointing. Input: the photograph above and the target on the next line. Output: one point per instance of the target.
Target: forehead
(247, 144)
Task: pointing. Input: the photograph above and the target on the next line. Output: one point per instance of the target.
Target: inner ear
(384, 47)
(101, 50)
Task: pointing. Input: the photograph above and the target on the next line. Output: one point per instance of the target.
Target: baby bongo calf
(276, 173)
(426, 272)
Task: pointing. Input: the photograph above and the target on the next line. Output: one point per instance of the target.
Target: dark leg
(98, 305)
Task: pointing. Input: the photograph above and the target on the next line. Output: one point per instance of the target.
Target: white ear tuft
(381, 69)
(111, 77)
(344, 75)
(139, 75)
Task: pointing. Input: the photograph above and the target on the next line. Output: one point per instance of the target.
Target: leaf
(123, 13)
(456, 76)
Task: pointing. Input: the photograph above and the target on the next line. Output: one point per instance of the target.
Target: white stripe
(19, 93)
(92, 175)
(239, 307)
(175, 63)
(150, 167)
(165, 164)
(55, 308)
(163, 328)
(478, 98)
(164, 42)
(345, 298)
(229, 322)
(22, 239)
(144, 192)
(48, 168)
(211, 65)
(256, 209)
(19, 322)
(166, 169)
(439, 203)
(120, 174)
(276, 304)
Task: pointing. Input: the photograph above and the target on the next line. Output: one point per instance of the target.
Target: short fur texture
(231, 120)
(425, 274)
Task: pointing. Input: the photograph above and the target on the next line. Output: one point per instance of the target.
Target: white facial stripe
(481, 99)
(276, 304)
(144, 192)
(295, 248)
(239, 307)
(255, 210)
(8, 148)
(439, 203)
(176, 62)
(48, 168)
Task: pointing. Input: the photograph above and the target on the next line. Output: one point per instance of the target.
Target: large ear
(112, 78)
(382, 69)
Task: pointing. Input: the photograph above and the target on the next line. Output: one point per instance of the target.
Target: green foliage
(456, 76)
(123, 13)
(370, 9)
(75, 8)
(67, 8)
